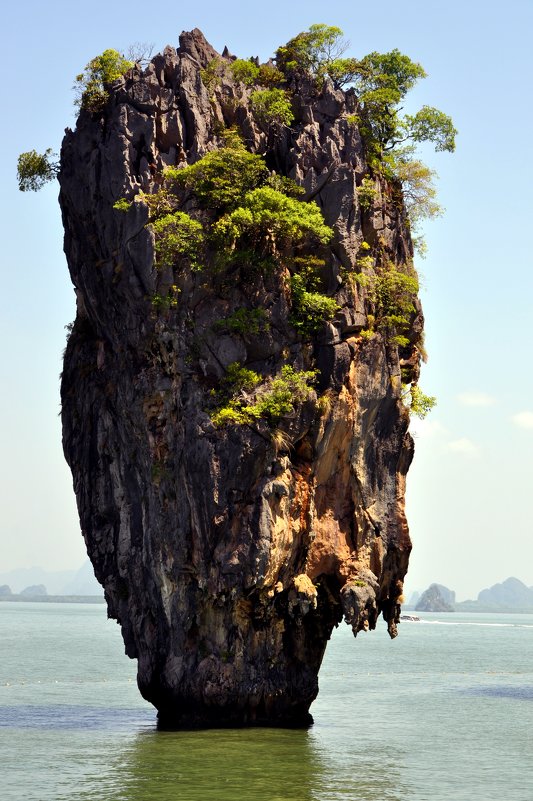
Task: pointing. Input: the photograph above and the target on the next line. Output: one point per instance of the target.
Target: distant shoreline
(55, 599)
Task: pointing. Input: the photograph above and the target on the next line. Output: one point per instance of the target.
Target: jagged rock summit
(228, 551)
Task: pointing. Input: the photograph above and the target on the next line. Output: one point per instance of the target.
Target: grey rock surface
(226, 555)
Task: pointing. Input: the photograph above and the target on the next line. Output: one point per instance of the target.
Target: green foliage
(418, 190)
(386, 75)
(245, 322)
(168, 301)
(233, 414)
(392, 294)
(159, 203)
(212, 74)
(236, 386)
(240, 379)
(122, 205)
(310, 309)
(284, 392)
(271, 107)
(221, 178)
(270, 76)
(176, 236)
(381, 82)
(311, 51)
(418, 402)
(284, 185)
(256, 210)
(276, 399)
(34, 170)
(342, 71)
(90, 85)
(366, 193)
(267, 216)
(246, 72)
(431, 125)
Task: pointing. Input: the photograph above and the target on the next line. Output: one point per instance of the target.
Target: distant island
(511, 595)
(36, 584)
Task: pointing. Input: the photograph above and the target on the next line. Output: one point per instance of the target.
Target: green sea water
(442, 713)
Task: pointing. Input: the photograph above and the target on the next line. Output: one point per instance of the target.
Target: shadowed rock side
(227, 553)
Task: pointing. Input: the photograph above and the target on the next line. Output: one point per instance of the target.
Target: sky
(469, 491)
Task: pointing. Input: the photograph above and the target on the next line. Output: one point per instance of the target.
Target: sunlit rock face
(229, 552)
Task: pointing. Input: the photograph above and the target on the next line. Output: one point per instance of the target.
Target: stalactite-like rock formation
(229, 552)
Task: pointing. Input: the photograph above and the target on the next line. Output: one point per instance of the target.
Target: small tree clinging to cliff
(380, 81)
(90, 85)
(34, 170)
(312, 51)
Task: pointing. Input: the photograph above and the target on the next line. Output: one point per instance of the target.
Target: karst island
(240, 376)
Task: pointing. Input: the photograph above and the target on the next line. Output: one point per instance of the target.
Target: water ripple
(73, 716)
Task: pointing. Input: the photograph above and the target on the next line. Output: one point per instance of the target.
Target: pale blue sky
(470, 488)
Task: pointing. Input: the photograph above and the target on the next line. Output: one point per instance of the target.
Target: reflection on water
(72, 716)
(258, 764)
(94, 753)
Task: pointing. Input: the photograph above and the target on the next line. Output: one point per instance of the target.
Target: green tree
(380, 80)
(177, 235)
(269, 218)
(90, 85)
(245, 71)
(34, 170)
(221, 178)
(312, 51)
(272, 107)
(419, 193)
(309, 309)
(417, 401)
(392, 294)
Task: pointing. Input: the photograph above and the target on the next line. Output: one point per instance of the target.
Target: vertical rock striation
(227, 553)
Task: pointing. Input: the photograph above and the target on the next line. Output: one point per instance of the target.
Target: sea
(442, 713)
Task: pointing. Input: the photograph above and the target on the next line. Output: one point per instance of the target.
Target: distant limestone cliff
(436, 598)
(232, 402)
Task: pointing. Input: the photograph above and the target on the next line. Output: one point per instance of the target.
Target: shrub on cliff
(277, 397)
(391, 294)
(178, 235)
(267, 216)
(222, 178)
(90, 85)
(418, 402)
(245, 71)
(309, 309)
(271, 107)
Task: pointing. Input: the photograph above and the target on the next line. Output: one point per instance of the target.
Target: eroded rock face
(228, 554)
